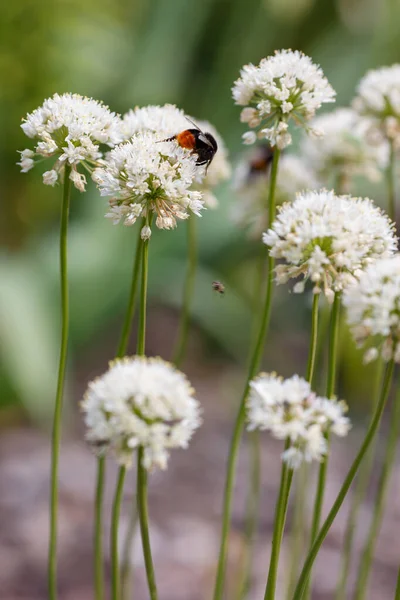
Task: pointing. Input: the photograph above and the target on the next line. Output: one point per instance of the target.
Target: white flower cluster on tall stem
(329, 239)
(285, 86)
(344, 149)
(70, 128)
(144, 402)
(378, 97)
(251, 186)
(291, 411)
(373, 309)
(145, 176)
(167, 121)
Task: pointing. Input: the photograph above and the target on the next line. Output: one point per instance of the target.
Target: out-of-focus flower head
(144, 402)
(328, 239)
(282, 87)
(70, 128)
(291, 411)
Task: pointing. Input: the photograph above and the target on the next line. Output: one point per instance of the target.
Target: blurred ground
(185, 504)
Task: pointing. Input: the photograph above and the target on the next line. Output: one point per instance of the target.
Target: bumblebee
(201, 143)
(218, 287)
(261, 160)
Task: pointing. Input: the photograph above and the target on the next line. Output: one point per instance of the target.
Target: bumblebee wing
(205, 140)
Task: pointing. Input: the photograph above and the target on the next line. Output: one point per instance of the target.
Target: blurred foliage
(131, 53)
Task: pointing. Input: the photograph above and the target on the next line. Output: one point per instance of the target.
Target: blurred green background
(128, 53)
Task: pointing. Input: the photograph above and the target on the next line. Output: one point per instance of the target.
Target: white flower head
(70, 128)
(145, 176)
(344, 149)
(378, 97)
(291, 411)
(282, 87)
(251, 184)
(144, 402)
(167, 121)
(373, 309)
(329, 239)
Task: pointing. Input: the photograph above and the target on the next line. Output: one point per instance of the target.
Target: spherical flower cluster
(344, 149)
(291, 411)
(378, 97)
(373, 309)
(285, 86)
(145, 176)
(168, 120)
(144, 402)
(70, 128)
(328, 239)
(252, 188)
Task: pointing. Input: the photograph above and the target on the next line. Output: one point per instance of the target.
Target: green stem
(116, 511)
(188, 291)
(130, 310)
(144, 524)
(279, 525)
(141, 342)
(397, 594)
(256, 356)
(359, 494)
(98, 530)
(101, 466)
(330, 389)
(390, 179)
(297, 537)
(380, 501)
(56, 435)
(372, 429)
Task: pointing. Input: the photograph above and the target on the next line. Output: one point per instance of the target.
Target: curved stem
(188, 291)
(390, 179)
(56, 435)
(313, 340)
(116, 511)
(101, 466)
(330, 388)
(256, 356)
(380, 501)
(397, 594)
(279, 525)
(372, 429)
(144, 524)
(359, 494)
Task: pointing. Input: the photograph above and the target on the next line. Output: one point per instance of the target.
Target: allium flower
(69, 128)
(285, 86)
(146, 176)
(344, 149)
(168, 120)
(291, 411)
(329, 239)
(378, 97)
(144, 402)
(373, 309)
(250, 182)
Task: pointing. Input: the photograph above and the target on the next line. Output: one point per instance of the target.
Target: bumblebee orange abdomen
(186, 139)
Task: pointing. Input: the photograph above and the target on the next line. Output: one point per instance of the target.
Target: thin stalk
(359, 494)
(101, 466)
(330, 388)
(256, 356)
(297, 537)
(397, 594)
(56, 434)
(390, 179)
(187, 292)
(372, 429)
(380, 501)
(116, 511)
(279, 525)
(144, 524)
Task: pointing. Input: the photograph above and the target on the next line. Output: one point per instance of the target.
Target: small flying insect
(201, 143)
(218, 287)
(261, 160)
